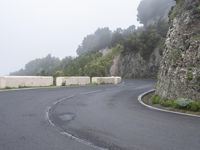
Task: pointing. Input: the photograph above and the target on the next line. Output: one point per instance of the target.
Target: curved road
(107, 116)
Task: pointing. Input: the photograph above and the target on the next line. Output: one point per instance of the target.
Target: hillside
(130, 53)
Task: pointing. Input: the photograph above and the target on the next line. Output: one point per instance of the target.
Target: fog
(34, 28)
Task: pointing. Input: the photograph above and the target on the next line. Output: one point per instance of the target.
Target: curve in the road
(65, 133)
(23, 124)
(111, 118)
(114, 119)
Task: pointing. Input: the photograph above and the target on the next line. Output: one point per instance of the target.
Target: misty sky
(32, 29)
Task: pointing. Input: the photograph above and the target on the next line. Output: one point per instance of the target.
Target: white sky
(32, 29)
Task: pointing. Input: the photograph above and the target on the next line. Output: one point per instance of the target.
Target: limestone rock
(179, 74)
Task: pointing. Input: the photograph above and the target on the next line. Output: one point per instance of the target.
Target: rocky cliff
(134, 65)
(179, 74)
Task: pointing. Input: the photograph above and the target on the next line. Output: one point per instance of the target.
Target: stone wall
(179, 74)
(25, 81)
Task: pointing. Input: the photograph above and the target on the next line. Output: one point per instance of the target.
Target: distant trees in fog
(152, 10)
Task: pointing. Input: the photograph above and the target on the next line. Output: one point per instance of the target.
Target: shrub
(182, 103)
(172, 13)
(194, 106)
(155, 99)
(168, 103)
(198, 9)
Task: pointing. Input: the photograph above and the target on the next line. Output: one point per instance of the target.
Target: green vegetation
(181, 103)
(194, 106)
(175, 9)
(155, 99)
(96, 63)
(190, 75)
(101, 65)
(172, 13)
(44, 67)
(198, 9)
(197, 36)
(94, 42)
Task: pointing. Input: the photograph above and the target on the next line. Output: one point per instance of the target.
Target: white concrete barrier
(66, 81)
(106, 80)
(2, 83)
(118, 80)
(25, 81)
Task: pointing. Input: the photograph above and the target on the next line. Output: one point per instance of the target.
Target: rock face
(179, 74)
(134, 65)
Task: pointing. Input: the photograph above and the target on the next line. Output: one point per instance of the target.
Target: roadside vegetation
(182, 104)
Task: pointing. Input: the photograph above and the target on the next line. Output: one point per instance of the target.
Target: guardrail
(67, 81)
(25, 81)
(106, 80)
(45, 81)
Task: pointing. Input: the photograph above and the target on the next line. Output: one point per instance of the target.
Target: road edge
(25, 89)
(159, 109)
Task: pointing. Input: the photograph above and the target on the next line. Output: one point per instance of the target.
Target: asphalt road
(107, 116)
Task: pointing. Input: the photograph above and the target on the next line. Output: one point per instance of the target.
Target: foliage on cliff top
(94, 42)
(93, 63)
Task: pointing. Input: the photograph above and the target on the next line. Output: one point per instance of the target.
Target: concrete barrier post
(67, 81)
(25, 81)
(106, 80)
(2, 83)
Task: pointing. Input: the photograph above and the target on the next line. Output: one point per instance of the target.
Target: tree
(43, 66)
(151, 11)
(94, 42)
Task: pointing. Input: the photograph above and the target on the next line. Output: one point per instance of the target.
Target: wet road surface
(107, 116)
